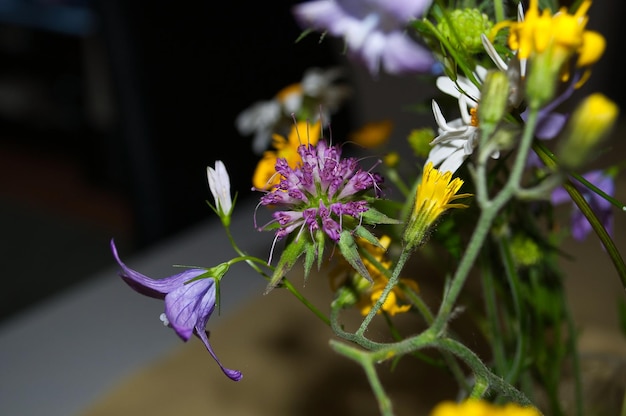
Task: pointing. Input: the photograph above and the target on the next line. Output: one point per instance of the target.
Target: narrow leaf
(350, 252)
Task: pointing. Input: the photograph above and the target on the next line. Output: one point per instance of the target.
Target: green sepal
(294, 249)
(373, 216)
(350, 252)
(365, 234)
(320, 240)
(309, 258)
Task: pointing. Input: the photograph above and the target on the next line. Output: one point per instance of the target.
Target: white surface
(59, 357)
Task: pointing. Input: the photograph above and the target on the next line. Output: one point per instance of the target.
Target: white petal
(491, 51)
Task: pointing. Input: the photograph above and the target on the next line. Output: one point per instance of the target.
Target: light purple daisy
(602, 208)
(374, 31)
(190, 298)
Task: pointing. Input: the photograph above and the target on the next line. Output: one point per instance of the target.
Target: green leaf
(309, 258)
(320, 240)
(294, 249)
(350, 252)
(373, 216)
(365, 234)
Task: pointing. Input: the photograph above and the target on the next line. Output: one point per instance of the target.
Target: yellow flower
(539, 31)
(482, 408)
(265, 176)
(589, 125)
(391, 305)
(368, 293)
(391, 159)
(372, 134)
(549, 41)
(434, 195)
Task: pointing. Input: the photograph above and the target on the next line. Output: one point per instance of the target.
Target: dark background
(110, 112)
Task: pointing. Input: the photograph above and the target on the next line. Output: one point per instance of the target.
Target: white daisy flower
(458, 138)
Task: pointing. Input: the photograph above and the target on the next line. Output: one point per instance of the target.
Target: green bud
(543, 76)
(588, 126)
(493, 98)
(463, 27)
(525, 251)
(419, 140)
(346, 297)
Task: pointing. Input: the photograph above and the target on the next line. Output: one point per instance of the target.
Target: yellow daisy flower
(435, 195)
(548, 42)
(482, 408)
(265, 176)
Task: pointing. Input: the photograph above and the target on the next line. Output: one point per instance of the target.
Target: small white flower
(219, 184)
(458, 138)
(317, 95)
(260, 119)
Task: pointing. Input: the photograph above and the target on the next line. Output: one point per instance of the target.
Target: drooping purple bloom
(320, 192)
(602, 208)
(189, 303)
(374, 31)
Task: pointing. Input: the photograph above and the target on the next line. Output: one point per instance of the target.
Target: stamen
(474, 117)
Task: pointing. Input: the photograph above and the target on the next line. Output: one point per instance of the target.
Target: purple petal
(155, 288)
(601, 207)
(550, 125)
(559, 196)
(402, 55)
(202, 334)
(190, 304)
(403, 10)
(325, 15)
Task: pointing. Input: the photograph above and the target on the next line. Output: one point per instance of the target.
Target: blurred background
(110, 111)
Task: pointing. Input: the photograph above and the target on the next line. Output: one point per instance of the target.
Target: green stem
(488, 213)
(251, 261)
(495, 329)
(514, 286)
(484, 377)
(573, 344)
(365, 360)
(393, 280)
(392, 175)
(498, 10)
(460, 61)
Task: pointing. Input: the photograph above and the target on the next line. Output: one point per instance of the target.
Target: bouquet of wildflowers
(474, 201)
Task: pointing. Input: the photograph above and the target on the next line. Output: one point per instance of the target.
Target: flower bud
(543, 76)
(525, 251)
(493, 98)
(419, 140)
(589, 125)
(463, 27)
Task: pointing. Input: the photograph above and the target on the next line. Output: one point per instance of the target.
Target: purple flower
(189, 301)
(374, 31)
(602, 208)
(321, 193)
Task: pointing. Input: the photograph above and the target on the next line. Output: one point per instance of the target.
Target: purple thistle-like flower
(602, 208)
(320, 193)
(374, 31)
(189, 303)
